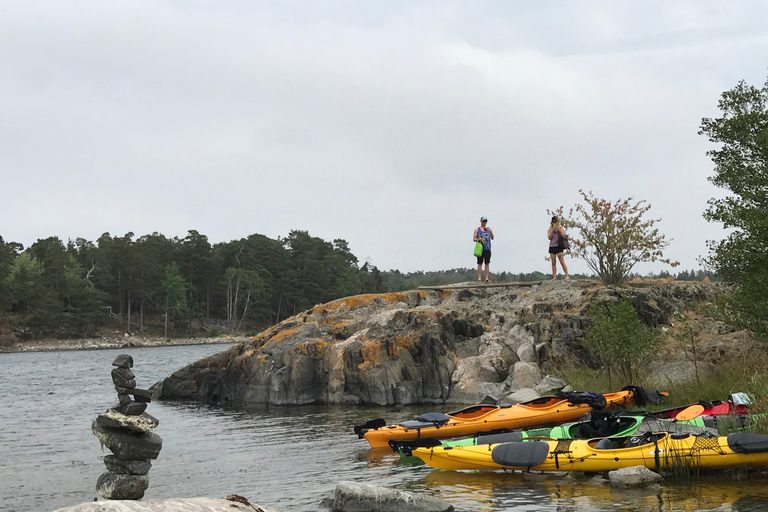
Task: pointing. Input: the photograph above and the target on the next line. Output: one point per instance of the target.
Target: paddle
(360, 430)
(690, 412)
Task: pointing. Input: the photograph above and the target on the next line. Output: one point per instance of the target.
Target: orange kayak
(547, 410)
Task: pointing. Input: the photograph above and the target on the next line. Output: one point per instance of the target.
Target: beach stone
(123, 382)
(142, 395)
(355, 497)
(124, 399)
(128, 445)
(132, 408)
(125, 373)
(139, 423)
(127, 467)
(123, 361)
(117, 486)
(635, 476)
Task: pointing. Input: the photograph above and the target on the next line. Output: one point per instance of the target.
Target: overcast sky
(393, 124)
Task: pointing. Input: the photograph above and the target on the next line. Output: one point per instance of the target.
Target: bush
(619, 340)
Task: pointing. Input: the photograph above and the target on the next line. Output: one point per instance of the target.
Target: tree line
(180, 285)
(58, 289)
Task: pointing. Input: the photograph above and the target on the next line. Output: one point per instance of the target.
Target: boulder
(664, 374)
(550, 383)
(127, 467)
(526, 375)
(636, 476)
(127, 445)
(520, 396)
(119, 486)
(355, 497)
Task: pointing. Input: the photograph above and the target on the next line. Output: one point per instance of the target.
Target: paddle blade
(690, 412)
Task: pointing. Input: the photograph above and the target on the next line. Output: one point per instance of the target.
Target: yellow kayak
(547, 410)
(656, 451)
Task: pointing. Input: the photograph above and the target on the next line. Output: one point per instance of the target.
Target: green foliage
(741, 168)
(619, 340)
(614, 236)
(174, 290)
(687, 333)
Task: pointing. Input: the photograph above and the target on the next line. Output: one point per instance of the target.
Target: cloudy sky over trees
(394, 125)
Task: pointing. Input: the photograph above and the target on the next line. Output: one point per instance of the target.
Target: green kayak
(600, 424)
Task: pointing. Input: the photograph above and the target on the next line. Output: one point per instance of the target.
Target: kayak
(654, 450)
(600, 424)
(736, 405)
(547, 410)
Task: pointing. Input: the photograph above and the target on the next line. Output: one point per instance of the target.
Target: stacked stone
(127, 431)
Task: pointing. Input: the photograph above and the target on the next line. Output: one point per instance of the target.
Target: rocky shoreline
(49, 345)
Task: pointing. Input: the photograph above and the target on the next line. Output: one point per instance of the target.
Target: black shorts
(555, 250)
(486, 257)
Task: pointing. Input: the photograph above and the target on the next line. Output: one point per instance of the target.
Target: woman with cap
(484, 234)
(554, 233)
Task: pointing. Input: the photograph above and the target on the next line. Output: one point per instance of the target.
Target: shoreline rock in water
(169, 505)
(452, 344)
(51, 345)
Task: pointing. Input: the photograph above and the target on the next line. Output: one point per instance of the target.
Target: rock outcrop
(127, 431)
(451, 344)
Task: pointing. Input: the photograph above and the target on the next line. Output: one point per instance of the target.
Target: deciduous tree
(614, 236)
(741, 168)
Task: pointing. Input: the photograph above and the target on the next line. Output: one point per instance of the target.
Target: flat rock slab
(141, 423)
(171, 505)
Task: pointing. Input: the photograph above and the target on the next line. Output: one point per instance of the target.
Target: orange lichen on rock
(401, 344)
(314, 347)
(358, 301)
(371, 353)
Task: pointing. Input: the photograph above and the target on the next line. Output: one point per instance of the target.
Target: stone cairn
(127, 431)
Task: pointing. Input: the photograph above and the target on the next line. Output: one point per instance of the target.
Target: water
(284, 457)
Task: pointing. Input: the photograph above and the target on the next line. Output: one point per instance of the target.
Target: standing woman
(554, 233)
(484, 235)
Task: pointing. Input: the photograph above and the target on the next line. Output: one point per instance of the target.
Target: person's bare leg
(554, 266)
(561, 257)
(487, 269)
(479, 272)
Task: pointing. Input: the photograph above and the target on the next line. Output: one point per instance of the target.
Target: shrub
(619, 340)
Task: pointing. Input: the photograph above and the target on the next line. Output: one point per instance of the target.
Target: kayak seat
(434, 417)
(742, 442)
(507, 437)
(606, 444)
(522, 455)
(430, 419)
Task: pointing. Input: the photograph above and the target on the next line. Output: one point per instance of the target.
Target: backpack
(562, 242)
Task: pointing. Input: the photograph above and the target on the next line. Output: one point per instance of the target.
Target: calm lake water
(285, 458)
